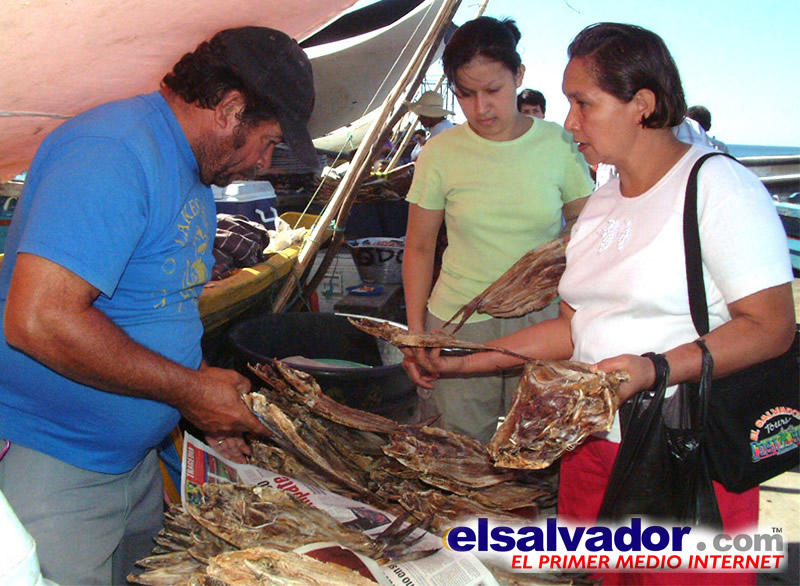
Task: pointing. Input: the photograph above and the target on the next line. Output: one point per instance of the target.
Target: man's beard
(214, 158)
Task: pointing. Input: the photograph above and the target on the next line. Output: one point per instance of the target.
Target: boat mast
(342, 199)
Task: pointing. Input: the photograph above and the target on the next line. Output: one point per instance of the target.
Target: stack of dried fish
(379, 461)
(235, 534)
(224, 518)
(529, 285)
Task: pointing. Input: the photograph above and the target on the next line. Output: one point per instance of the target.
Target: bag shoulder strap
(698, 304)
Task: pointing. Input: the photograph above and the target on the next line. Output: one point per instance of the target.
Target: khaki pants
(471, 405)
(89, 527)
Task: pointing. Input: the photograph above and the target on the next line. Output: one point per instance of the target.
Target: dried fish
(283, 462)
(401, 338)
(444, 509)
(258, 566)
(302, 387)
(379, 467)
(253, 516)
(446, 459)
(529, 285)
(556, 406)
(514, 496)
(284, 431)
(166, 569)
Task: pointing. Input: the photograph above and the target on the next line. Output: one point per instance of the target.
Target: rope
(6, 114)
(397, 60)
(297, 296)
(348, 142)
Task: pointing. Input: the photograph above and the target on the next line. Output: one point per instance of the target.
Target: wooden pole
(414, 118)
(345, 192)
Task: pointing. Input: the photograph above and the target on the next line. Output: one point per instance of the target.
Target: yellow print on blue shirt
(193, 240)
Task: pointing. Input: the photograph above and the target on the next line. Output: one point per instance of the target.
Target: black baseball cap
(275, 65)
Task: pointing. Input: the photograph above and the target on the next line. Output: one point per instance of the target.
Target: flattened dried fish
(529, 285)
(282, 427)
(164, 569)
(556, 406)
(444, 509)
(446, 459)
(253, 516)
(401, 338)
(258, 566)
(304, 389)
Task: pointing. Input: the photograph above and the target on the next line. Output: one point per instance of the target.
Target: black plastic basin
(383, 388)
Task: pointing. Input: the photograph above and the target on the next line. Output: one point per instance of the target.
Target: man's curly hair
(204, 76)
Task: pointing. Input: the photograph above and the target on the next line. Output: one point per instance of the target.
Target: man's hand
(232, 446)
(215, 403)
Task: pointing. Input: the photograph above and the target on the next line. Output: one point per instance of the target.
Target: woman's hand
(641, 370)
(417, 374)
(425, 365)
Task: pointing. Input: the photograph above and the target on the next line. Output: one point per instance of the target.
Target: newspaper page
(201, 464)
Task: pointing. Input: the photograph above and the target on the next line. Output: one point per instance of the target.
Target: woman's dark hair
(625, 59)
(204, 76)
(483, 37)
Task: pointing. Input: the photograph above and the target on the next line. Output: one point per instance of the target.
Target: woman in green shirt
(503, 183)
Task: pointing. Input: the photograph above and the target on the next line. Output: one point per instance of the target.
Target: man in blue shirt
(109, 249)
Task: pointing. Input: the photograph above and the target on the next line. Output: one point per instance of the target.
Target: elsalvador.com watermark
(554, 545)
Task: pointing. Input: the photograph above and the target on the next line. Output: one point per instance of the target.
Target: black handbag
(660, 471)
(753, 422)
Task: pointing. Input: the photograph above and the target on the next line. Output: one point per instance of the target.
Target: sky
(739, 58)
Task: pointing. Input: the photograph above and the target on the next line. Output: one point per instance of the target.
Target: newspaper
(201, 464)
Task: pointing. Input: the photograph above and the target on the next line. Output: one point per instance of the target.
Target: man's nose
(265, 160)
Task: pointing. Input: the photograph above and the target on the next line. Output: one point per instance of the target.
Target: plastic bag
(660, 471)
(283, 236)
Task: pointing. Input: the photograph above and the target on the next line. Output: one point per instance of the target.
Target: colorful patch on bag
(776, 432)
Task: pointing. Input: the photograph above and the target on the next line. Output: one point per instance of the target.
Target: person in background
(503, 184)
(702, 116)
(432, 115)
(531, 103)
(420, 137)
(107, 255)
(688, 131)
(624, 289)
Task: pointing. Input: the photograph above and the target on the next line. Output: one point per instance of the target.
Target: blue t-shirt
(114, 196)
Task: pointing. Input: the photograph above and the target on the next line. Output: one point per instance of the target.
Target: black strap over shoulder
(691, 243)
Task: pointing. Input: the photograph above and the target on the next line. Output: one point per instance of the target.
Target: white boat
(789, 213)
(780, 174)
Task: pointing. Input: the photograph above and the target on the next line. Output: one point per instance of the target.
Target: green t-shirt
(500, 200)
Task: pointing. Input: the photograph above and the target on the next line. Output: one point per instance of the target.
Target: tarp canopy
(61, 57)
(353, 76)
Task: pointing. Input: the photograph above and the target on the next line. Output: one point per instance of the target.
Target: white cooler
(247, 198)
